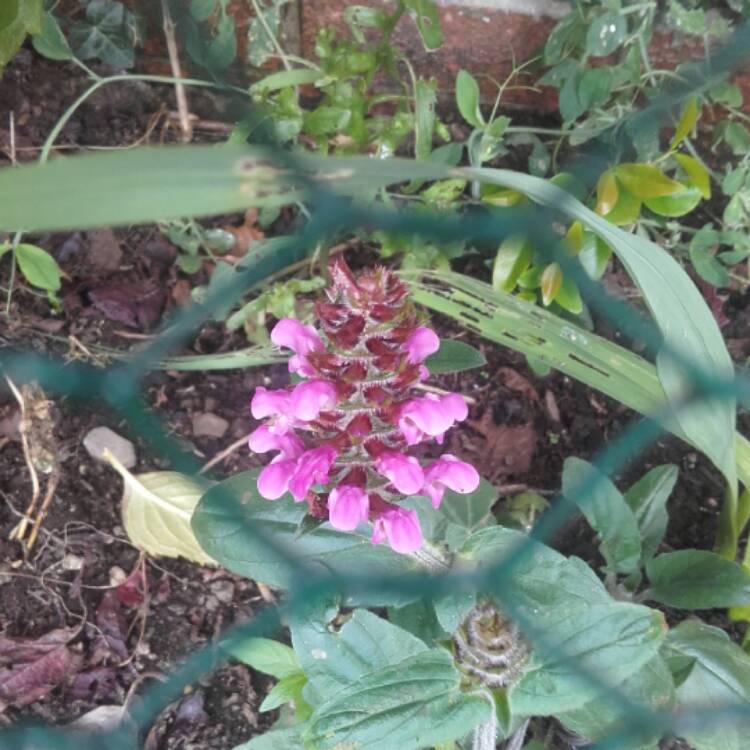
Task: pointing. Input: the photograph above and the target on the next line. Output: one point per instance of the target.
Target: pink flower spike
(299, 338)
(273, 481)
(400, 527)
(263, 440)
(404, 471)
(312, 468)
(310, 398)
(420, 344)
(450, 472)
(348, 506)
(267, 403)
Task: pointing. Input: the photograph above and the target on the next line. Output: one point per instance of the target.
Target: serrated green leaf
(581, 629)
(108, 33)
(333, 661)
(414, 704)
(717, 684)
(276, 739)
(38, 267)
(236, 535)
(697, 579)
(607, 512)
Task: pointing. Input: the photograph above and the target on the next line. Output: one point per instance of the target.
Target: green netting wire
(117, 388)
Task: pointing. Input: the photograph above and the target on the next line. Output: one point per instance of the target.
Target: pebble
(223, 591)
(101, 438)
(209, 425)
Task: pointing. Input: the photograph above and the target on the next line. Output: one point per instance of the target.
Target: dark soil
(521, 424)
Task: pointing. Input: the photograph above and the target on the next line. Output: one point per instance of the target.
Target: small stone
(223, 591)
(209, 425)
(102, 438)
(72, 562)
(117, 576)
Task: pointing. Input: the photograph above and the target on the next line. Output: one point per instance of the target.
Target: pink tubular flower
(400, 527)
(267, 403)
(263, 440)
(312, 468)
(348, 506)
(404, 471)
(421, 343)
(431, 415)
(310, 398)
(273, 481)
(301, 339)
(450, 472)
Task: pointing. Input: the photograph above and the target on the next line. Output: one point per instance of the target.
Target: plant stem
(11, 280)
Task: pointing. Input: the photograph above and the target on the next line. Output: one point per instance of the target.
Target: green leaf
(697, 173)
(260, 45)
(614, 202)
(718, 682)
(568, 296)
(454, 356)
(581, 629)
(333, 661)
(283, 78)
(646, 181)
(156, 511)
(50, 41)
(594, 255)
(550, 283)
(650, 689)
(737, 137)
(458, 515)
(236, 537)
(607, 512)
(288, 689)
(425, 98)
(275, 739)
(686, 123)
(595, 87)
(564, 38)
(513, 257)
(200, 10)
(419, 619)
(678, 309)
(697, 579)
(606, 33)
(467, 98)
(265, 655)
(428, 22)
(17, 18)
(108, 33)
(647, 499)
(702, 249)
(677, 204)
(38, 266)
(726, 93)
(414, 704)
(326, 120)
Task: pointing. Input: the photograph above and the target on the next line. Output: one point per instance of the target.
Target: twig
(52, 483)
(274, 41)
(219, 457)
(265, 592)
(12, 139)
(174, 61)
(20, 530)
